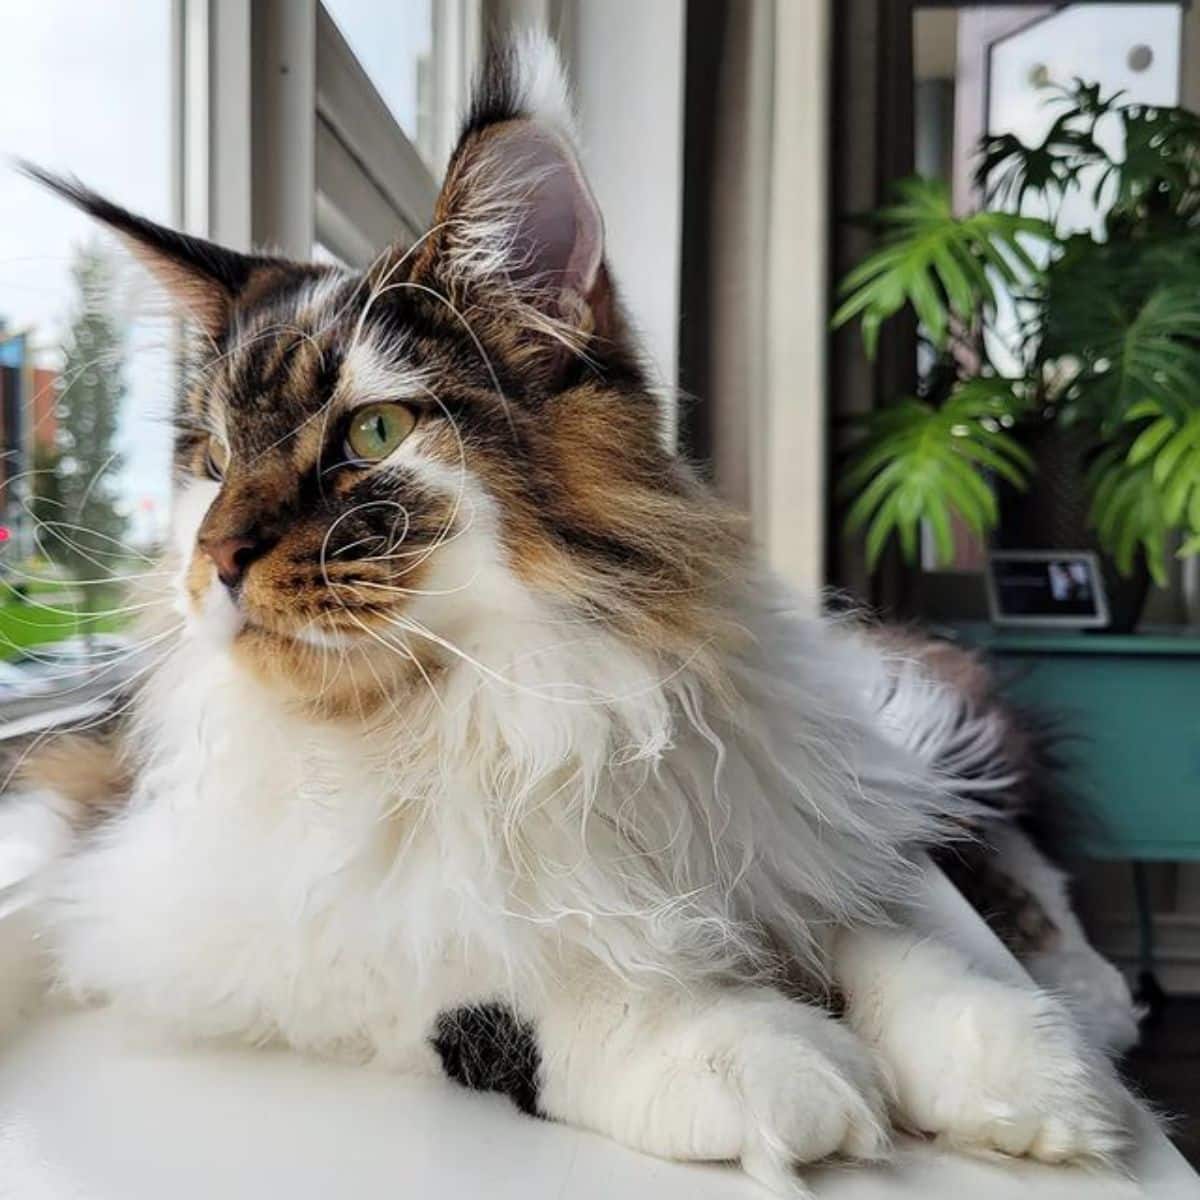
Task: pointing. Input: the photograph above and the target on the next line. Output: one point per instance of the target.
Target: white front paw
(778, 1083)
(805, 1098)
(1001, 1068)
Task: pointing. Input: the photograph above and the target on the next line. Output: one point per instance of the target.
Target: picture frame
(1062, 589)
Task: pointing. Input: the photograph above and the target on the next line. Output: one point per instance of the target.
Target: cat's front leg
(984, 1064)
(727, 1074)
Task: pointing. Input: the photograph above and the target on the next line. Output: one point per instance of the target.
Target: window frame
(213, 134)
(371, 182)
(331, 163)
(286, 140)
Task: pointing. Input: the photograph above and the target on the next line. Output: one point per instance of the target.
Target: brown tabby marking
(91, 776)
(1011, 910)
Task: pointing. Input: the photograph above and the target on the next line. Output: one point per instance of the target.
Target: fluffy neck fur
(565, 787)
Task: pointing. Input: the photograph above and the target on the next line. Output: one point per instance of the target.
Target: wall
(626, 59)
(793, 437)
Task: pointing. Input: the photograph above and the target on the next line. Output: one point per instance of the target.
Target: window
(85, 378)
(390, 81)
(355, 110)
(394, 46)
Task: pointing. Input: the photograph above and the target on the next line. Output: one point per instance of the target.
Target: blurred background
(922, 278)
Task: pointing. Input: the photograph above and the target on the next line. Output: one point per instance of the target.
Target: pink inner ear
(559, 244)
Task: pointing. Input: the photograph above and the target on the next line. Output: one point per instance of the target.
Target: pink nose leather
(231, 555)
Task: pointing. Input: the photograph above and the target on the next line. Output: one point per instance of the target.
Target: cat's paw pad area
(771, 1083)
(1005, 1070)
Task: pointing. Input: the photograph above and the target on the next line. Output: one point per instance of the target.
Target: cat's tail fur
(942, 702)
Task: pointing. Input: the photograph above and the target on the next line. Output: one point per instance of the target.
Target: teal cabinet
(1132, 707)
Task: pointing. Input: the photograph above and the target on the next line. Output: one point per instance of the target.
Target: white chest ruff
(281, 877)
(268, 882)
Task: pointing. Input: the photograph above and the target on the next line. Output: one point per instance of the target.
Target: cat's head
(369, 464)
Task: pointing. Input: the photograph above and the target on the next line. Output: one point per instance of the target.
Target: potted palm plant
(1040, 334)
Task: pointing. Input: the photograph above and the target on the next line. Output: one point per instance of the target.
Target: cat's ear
(516, 218)
(204, 280)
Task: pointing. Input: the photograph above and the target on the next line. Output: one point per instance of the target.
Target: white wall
(626, 58)
(792, 527)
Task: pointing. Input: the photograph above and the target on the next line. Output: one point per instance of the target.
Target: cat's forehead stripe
(372, 372)
(323, 300)
(313, 306)
(318, 345)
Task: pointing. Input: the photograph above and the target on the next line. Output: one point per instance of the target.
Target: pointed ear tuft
(516, 217)
(204, 279)
(522, 76)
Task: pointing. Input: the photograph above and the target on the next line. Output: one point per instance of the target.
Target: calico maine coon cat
(475, 741)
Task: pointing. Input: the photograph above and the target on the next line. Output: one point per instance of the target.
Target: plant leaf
(935, 262)
(1129, 316)
(915, 462)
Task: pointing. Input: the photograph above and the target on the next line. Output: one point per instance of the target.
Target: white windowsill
(86, 1111)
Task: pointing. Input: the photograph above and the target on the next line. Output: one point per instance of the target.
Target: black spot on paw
(489, 1048)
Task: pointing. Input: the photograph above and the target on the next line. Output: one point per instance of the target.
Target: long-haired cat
(482, 745)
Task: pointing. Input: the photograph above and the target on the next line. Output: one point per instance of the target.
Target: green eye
(216, 458)
(377, 429)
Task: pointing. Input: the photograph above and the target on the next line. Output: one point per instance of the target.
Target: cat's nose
(232, 555)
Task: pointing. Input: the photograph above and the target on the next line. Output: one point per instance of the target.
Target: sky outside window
(86, 90)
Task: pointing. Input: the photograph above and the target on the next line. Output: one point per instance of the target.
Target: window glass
(394, 45)
(321, 253)
(1128, 48)
(994, 69)
(86, 375)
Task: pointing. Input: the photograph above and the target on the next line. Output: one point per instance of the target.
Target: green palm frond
(1130, 317)
(1110, 327)
(1160, 167)
(942, 265)
(1127, 511)
(916, 463)
(1165, 456)
(1087, 99)
(1008, 169)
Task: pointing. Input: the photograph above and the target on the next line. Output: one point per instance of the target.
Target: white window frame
(372, 184)
(213, 136)
(285, 141)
